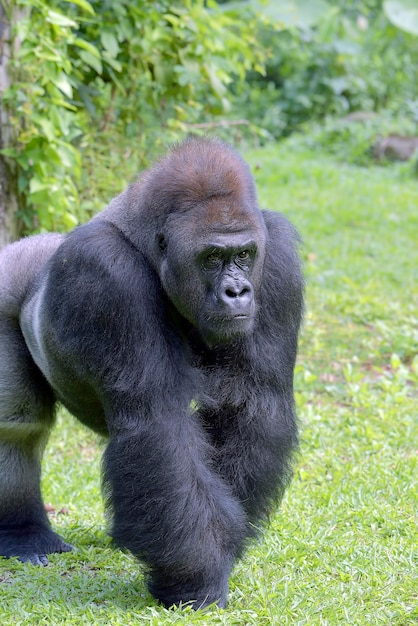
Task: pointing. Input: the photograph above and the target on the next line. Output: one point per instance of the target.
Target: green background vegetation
(98, 90)
(102, 87)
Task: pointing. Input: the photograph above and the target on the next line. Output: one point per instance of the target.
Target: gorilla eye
(213, 258)
(244, 255)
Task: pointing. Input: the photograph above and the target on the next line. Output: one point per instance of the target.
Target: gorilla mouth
(227, 320)
(227, 328)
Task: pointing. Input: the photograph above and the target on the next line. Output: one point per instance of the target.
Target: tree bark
(8, 174)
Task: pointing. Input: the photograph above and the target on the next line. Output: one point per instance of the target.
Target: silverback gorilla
(169, 324)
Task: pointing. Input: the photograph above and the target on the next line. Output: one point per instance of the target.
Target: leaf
(216, 84)
(403, 14)
(109, 43)
(347, 47)
(91, 60)
(46, 126)
(395, 361)
(36, 185)
(68, 155)
(85, 45)
(9, 152)
(113, 63)
(338, 84)
(69, 220)
(64, 85)
(291, 13)
(83, 4)
(60, 20)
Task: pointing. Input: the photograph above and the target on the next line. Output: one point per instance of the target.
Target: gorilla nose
(237, 295)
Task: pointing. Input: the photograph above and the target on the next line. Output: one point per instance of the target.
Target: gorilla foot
(179, 594)
(196, 600)
(35, 559)
(31, 544)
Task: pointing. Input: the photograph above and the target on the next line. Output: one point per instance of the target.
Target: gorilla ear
(162, 243)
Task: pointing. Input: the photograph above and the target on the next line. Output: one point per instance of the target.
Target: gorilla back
(168, 323)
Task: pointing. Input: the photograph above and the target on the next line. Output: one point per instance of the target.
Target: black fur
(168, 323)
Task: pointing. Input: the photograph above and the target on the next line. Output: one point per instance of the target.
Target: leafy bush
(99, 84)
(351, 58)
(352, 140)
(144, 69)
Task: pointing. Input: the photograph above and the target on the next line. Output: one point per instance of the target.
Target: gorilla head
(195, 214)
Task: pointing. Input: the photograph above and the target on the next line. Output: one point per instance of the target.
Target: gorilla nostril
(232, 292)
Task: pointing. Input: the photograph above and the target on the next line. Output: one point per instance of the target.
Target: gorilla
(168, 324)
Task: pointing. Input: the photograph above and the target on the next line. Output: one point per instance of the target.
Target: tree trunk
(8, 176)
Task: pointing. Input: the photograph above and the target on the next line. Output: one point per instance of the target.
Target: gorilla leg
(26, 416)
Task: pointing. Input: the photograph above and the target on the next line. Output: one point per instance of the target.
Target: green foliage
(101, 83)
(44, 118)
(167, 60)
(281, 14)
(350, 142)
(142, 69)
(353, 140)
(351, 57)
(403, 13)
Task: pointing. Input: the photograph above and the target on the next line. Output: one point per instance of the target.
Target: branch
(219, 123)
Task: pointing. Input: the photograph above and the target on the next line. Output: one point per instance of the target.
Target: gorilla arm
(170, 510)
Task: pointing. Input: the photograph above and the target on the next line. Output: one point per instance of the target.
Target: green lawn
(343, 547)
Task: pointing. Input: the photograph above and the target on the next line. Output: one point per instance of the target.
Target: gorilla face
(213, 276)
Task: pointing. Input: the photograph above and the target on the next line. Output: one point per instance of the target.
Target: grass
(343, 547)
